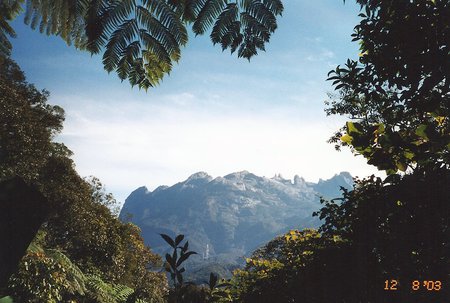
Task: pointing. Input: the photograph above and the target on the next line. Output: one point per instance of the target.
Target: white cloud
(133, 144)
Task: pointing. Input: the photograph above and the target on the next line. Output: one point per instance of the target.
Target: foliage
(142, 39)
(397, 97)
(183, 292)
(101, 244)
(287, 270)
(173, 266)
(403, 223)
(218, 289)
(28, 126)
(81, 225)
(43, 278)
(6, 299)
(397, 228)
(397, 93)
(100, 195)
(8, 11)
(48, 275)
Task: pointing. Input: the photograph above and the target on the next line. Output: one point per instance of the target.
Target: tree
(28, 126)
(174, 266)
(142, 39)
(397, 99)
(398, 94)
(300, 266)
(23, 209)
(80, 224)
(48, 275)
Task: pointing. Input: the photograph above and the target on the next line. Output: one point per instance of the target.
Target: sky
(214, 112)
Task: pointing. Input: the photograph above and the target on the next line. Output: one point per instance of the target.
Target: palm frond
(168, 18)
(159, 32)
(133, 35)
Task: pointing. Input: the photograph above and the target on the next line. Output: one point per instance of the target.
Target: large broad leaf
(184, 257)
(168, 239)
(178, 239)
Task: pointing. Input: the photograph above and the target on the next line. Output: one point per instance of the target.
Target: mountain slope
(227, 217)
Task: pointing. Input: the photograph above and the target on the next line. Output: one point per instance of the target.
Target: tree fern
(74, 275)
(207, 12)
(103, 292)
(141, 40)
(57, 17)
(9, 9)
(246, 26)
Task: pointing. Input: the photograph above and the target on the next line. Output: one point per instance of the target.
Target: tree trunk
(23, 209)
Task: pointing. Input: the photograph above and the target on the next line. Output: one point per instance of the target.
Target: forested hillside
(82, 252)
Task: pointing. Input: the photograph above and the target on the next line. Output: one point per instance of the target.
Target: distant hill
(225, 218)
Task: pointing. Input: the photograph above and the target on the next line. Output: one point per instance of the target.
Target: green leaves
(207, 12)
(168, 240)
(8, 11)
(420, 131)
(246, 26)
(178, 239)
(141, 40)
(59, 17)
(175, 260)
(396, 95)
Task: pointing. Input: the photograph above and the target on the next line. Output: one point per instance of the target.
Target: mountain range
(225, 218)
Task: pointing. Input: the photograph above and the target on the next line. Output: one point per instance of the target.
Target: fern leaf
(160, 32)
(264, 16)
(224, 22)
(96, 14)
(208, 12)
(246, 25)
(275, 6)
(168, 18)
(119, 40)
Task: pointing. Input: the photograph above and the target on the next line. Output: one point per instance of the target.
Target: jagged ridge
(233, 214)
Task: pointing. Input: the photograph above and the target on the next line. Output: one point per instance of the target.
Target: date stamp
(415, 285)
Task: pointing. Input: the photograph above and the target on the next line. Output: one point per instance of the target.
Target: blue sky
(213, 113)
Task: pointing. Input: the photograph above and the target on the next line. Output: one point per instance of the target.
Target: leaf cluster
(397, 93)
(81, 230)
(141, 40)
(174, 261)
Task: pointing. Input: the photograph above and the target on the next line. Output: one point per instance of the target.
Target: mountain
(228, 217)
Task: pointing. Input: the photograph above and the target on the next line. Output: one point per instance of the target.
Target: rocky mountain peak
(199, 175)
(239, 175)
(299, 180)
(229, 216)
